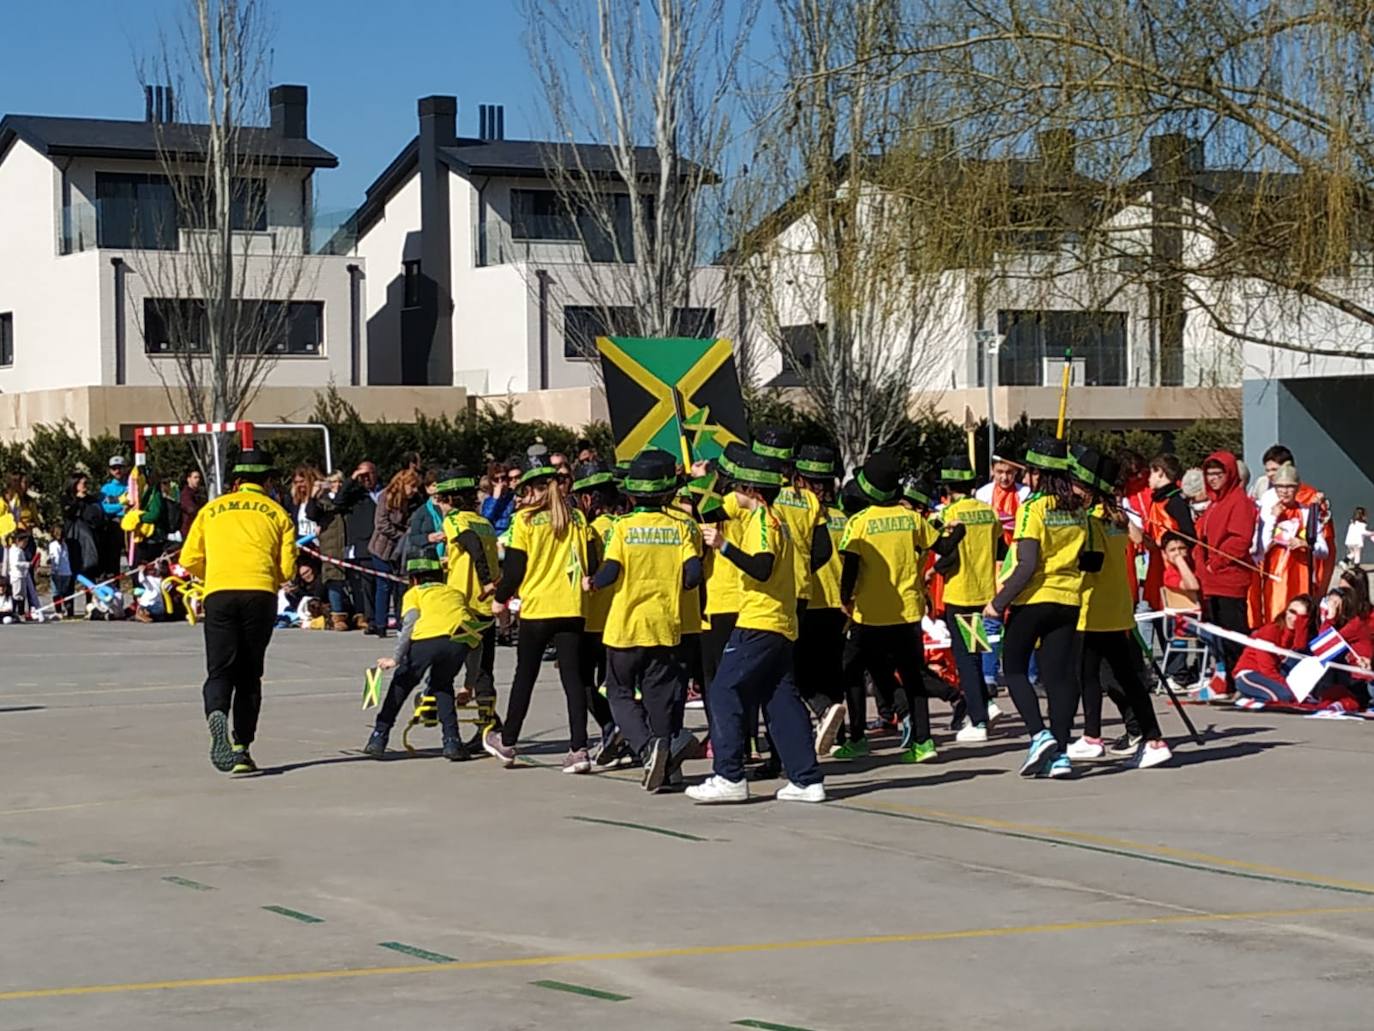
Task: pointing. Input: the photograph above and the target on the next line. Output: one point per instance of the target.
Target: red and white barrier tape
(352, 565)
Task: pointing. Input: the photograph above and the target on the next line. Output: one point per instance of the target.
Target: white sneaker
(829, 727)
(1153, 754)
(972, 733)
(994, 713)
(1087, 748)
(790, 792)
(717, 789)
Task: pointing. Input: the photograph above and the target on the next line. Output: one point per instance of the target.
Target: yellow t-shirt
(825, 582)
(646, 605)
(691, 599)
(442, 610)
(888, 540)
(800, 512)
(975, 581)
(722, 576)
(769, 604)
(241, 541)
(1107, 602)
(552, 587)
(598, 603)
(1061, 535)
(462, 571)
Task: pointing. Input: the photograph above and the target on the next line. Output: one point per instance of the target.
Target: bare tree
(219, 283)
(652, 82)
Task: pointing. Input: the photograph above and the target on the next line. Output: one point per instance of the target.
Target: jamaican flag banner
(663, 391)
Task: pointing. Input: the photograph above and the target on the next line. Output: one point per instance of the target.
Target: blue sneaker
(1041, 747)
(1059, 766)
(906, 733)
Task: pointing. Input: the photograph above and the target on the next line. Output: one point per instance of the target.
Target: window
(544, 215)
(540, 215)
(694, 322)
(135, 210)
(582, 324)
(1098, 338)
(247, 206)
(7, 338)
(799, 345)
(281, 327)
(411, 298)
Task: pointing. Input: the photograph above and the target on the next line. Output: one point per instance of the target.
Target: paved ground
(137, 885)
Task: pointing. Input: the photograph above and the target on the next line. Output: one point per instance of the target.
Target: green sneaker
(919, 752)
(851, 750)
(243, 762)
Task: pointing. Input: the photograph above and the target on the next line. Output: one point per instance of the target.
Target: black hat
(918, 491)
(593, 474)
(620, 470)
(879, 479)
(773, 441)
(956, 469)
(652, 472)
(537, 468)
(816, 462)
(1048, 453)
(746, 466)
(253, 461)
(1094, 470)
(455, 481)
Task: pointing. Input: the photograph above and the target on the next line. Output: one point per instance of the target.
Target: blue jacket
(110, 494)
(498, 511)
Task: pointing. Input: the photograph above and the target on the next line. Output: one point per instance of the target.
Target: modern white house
(480, 275)
(89, 222)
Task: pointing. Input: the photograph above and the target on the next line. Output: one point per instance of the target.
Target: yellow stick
(1064, 392)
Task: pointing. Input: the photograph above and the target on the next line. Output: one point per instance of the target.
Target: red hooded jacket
(1227, 527)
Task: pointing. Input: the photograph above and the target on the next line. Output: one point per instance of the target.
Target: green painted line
(767, 1026)
(577, 989)
(1109, 851)
(183, 882)
(107, 860)
(18, 841)
(411, 950)
(295, 914)
(639, 827)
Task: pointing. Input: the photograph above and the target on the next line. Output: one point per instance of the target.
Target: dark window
(540, 215)
(582, 324)
(607, 237)
(799, 346)
(411, 298)
(247, 205)
(694, 322)
(1097, 338)
(305, 327)
(7, 338)
(135, 210)
(290, 328)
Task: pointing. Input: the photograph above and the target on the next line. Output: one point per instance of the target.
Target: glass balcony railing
(114, 225)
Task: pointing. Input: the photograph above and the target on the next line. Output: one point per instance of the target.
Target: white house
(482, 278)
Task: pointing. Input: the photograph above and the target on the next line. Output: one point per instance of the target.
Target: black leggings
(535, 634)
(883, 651)
(1229, 613)
(1115, 648)
(818, 658)
(1055, 626)
(592, 670)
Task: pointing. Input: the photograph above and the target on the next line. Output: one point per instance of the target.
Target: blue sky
(366, 63)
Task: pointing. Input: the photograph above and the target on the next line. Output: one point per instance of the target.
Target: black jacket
(359, 515)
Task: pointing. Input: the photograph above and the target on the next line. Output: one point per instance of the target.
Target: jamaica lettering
(244, 506)
(652, 535)
(891, 524)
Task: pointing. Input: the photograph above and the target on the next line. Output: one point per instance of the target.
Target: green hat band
(454, 485)
(534, 474)
(252, 468)
(662, 486)
(785, 453)
(759, 477)
(872, 491)
(819, 468)
(424, 565)
(956, 475)
(594, 480)
(1047, 461)
(919, 497)
(1087, 476)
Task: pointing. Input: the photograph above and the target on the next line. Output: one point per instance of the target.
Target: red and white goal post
(143, 434)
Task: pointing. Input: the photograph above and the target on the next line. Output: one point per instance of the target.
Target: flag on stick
(372, 688)
(973, 632)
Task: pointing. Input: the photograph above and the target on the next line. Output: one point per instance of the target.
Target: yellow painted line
(1120, 844)
(510, 963)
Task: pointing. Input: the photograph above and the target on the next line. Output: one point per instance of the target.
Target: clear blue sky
(366, 63)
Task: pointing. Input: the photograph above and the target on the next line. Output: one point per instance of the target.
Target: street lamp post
(990, 343)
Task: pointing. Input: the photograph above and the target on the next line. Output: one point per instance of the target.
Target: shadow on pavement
(22, 708)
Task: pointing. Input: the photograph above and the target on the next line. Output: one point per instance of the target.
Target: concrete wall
(570, 406)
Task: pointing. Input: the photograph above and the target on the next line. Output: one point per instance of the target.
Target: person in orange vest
(1292, 543)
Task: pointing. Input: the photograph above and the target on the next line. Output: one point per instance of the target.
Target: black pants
(968, 664)
(1229, 613)
(594, 672)
(818, 658)
(442, 658)
(535, 634)
(238, 627)
(713, 643)
(1115, 648)
(662, 685)
(1055, 626)
(883, 651)
(480, 665)
(360, 591)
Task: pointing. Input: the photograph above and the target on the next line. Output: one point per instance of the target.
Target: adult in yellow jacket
(243, 546)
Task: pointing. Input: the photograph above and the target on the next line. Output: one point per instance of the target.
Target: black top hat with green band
(1094, 470)
(651, 472)
(816, 462)
(773, 442)
(1048, 453)
(537, 468)
(750, 468)
(591, 475)
(917, 491)
(879, 479)
(423, 565)
(620, 470)
(254, 461)
(455, 481)
(955, 469)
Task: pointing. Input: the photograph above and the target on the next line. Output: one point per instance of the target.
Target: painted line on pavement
(184, 882)
(107, 860)
(8, 840)
(295, 914)
(411, 950)
(765, 1026)
(638, 827)
(1165, 854)
(681, 952)
(577, 989)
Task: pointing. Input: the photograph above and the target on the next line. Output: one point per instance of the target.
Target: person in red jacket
(1259, 673)
(1226, 532)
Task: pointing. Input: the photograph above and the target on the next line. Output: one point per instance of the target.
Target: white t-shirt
(59, 564)
(1355, 535)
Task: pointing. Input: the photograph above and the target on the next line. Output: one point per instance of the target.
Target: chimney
(288, 104)
(157, 104)
(491, 122)
(148, 103)
(438, 130)
(1055, 148)
(1175, 156)
(439, 121)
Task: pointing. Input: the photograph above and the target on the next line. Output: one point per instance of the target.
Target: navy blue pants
(756, 673)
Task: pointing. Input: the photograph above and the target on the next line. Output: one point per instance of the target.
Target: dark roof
(113, 138)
